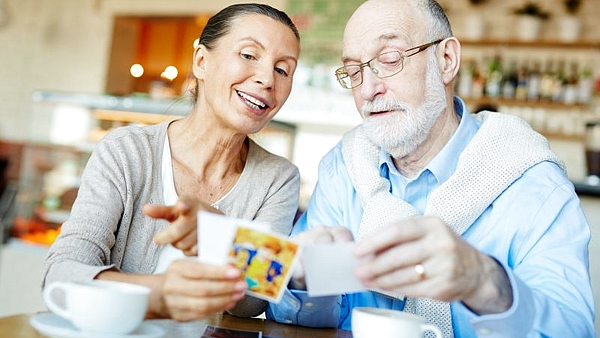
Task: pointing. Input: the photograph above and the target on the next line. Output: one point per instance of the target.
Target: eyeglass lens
(383, 65)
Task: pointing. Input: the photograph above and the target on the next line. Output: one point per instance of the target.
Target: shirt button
(309, 304)
(484, 332)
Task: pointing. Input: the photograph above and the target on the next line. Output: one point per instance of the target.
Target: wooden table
(18, 326)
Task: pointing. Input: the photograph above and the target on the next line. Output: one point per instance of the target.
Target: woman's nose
(265, 76)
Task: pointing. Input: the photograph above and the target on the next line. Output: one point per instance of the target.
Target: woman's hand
(182, 233)
(193, 290)
(189, 290)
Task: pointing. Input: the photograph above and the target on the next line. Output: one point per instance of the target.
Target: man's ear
(449, 58)
(199, 62)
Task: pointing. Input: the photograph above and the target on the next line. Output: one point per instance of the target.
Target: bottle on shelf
(522, 83)
(493, 83)
(571, 84)
(477, 90)
(509, 85)
(559, 82)
(465, 79)
(534, 82)
(585, 89)
(547, 82)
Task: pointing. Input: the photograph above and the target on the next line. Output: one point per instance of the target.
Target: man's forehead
(374, 10)
(376, 22)
(365, 43)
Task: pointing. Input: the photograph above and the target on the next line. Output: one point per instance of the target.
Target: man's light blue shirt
(536, 229)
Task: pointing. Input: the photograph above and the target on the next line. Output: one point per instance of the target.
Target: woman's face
(245, 79)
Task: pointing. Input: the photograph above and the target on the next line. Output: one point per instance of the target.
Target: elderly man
(467, 220)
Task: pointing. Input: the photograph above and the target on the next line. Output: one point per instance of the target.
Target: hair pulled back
(220, 24)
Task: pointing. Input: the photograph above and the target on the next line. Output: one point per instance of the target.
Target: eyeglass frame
(341, 72)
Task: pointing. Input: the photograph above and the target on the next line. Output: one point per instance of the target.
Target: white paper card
(389, 294)
(329, 269)
(215, 234)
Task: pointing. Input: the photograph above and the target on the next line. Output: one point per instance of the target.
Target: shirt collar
(444, 163)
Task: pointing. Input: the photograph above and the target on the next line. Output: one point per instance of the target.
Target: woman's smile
(254, 103)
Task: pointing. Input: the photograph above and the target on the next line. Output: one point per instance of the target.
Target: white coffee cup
(98, 305)
(368, 322)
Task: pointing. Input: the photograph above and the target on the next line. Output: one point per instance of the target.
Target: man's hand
(423, 257)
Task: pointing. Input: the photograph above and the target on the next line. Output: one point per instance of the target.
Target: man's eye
(353, 72)
(390, 63)
(390, 59)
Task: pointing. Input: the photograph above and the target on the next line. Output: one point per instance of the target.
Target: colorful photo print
(266, 259)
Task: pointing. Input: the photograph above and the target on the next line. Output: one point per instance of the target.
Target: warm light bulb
(136, 70)
(170, 73)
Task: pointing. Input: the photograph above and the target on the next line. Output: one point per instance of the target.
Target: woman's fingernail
(237, 296)
(231, 305)
(232, 272)
(240, 286)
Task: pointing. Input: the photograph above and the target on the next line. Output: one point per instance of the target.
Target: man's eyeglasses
(383, 65)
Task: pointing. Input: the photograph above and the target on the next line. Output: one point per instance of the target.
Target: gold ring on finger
(420, 270)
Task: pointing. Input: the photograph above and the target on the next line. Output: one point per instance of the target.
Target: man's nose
(372, 85)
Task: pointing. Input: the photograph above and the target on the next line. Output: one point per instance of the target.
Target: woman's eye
(281, 71)
(247, 56)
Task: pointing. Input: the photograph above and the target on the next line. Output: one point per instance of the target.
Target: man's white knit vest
(501, 151)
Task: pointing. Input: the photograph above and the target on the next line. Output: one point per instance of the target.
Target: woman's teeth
(252, 101)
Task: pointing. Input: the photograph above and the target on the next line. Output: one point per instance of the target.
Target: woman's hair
(220, 24)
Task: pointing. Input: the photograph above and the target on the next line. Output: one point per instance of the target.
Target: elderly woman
(139, 179)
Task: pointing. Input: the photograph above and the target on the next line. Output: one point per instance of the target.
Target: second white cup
(369, 322)
(99, 306)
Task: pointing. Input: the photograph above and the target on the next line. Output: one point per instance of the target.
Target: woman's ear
(449, 58)
(199, 62)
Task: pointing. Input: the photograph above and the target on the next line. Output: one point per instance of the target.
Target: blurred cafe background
(70, 70)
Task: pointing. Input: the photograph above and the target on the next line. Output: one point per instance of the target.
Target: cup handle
(51, 304)
(432, 328)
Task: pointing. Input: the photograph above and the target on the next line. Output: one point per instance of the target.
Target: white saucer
(55, 326)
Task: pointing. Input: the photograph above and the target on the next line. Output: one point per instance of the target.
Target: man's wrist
(296, 285)
(494, 293)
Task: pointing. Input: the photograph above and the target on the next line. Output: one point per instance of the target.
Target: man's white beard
(400, 132)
